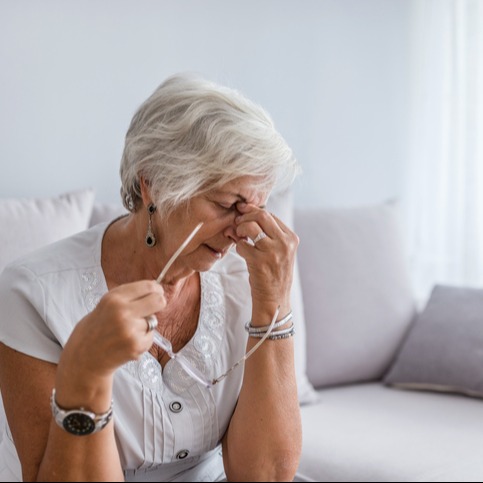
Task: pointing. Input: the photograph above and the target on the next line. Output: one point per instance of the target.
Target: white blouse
(167, 426)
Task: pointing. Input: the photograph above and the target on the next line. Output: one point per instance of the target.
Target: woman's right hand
(115, 332)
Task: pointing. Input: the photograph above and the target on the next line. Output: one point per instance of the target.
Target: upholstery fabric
(443, 350)
(357, 294)
(369, 432)
(28, 224)
(105, 212)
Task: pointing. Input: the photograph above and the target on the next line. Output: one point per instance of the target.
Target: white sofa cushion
(106, 212)
(28, 224)
(369, 432)
(357, 295)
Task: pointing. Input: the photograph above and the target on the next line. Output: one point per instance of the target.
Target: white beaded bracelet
(282, 336)
(263, 330)
(277, 334)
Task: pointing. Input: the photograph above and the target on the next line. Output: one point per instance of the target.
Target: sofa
(384, 396)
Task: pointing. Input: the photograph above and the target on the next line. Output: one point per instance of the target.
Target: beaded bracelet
(282, 336)
(276, 334)
(262, 330)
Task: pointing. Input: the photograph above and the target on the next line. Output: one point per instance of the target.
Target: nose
(230, 230)
(230, 233)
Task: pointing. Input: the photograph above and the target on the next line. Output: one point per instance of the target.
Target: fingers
(249, 229)
(148, 305)
(270, 258)
(266, 221)
(246, 250)
(132, 303)
(136, 290)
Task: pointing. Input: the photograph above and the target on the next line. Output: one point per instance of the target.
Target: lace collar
(203, 349)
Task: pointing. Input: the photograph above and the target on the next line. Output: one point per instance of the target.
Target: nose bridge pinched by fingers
(230, 232)
(231, 229)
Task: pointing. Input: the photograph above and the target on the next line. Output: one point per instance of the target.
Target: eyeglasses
(196, 374)
(182, 360)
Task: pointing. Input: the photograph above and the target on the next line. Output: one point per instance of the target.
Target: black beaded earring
(150, 238)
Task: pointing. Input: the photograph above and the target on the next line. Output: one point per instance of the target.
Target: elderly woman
(90, 394)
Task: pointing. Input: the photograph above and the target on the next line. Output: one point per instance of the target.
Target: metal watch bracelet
(79, 422)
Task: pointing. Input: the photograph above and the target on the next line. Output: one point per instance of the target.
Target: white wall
(333, 73)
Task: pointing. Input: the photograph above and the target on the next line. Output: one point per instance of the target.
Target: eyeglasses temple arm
(177, 252)
(251, 352)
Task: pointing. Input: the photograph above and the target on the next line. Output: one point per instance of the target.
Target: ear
(145, 191)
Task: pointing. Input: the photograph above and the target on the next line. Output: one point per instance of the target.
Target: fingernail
(242, 205)
(238, 219)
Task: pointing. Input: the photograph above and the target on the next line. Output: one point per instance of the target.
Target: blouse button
(182, 454)
(176, 407)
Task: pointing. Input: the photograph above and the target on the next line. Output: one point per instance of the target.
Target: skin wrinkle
(180, 324)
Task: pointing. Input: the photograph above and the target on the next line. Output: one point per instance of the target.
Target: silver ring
(259, 237)
(152, 322)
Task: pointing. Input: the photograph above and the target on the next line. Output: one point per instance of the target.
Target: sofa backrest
(28, 224)
(357, 294)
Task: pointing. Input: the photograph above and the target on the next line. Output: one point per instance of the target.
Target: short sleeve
(22, 315)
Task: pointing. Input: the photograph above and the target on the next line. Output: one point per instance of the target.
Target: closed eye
(227, 207)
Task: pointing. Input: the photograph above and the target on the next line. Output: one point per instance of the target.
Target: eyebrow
(239, 197)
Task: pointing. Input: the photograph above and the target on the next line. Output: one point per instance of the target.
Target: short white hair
(191, 136)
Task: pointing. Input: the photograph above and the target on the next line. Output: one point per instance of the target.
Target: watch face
(79, 424)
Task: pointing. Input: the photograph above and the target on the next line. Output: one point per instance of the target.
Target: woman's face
(217, 210)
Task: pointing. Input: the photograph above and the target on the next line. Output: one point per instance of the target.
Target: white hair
(191, 136)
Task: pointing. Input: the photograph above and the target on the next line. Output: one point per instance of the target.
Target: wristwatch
(79, 422)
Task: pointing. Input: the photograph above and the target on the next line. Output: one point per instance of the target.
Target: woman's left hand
(270, 261)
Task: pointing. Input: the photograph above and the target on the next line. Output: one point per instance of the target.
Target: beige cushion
(28, 224)
(367, 432)
(357, 296)
(103, 212)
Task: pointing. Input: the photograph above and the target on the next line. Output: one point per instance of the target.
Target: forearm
(263, 442)
(81, 458)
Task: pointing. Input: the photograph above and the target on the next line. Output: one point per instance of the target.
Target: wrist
(79, 421)
(262, 314)
(75, 389)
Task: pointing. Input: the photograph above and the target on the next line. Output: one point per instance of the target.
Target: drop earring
(150, 238)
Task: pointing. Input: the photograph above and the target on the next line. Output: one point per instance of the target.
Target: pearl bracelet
(263, 330)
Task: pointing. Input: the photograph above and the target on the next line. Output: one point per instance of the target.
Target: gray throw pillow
(444, 348)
